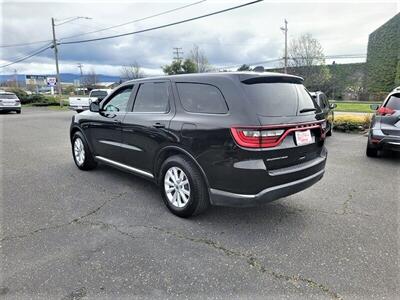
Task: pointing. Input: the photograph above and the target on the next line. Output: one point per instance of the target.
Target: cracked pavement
(105, 234)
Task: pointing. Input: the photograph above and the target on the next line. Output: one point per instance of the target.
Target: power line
(23, 44)
(177, 53)
(161, 26)
(135, 21)
(107, 28)
(27, 56)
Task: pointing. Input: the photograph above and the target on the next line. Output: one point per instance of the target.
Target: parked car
(232, 139)
(9, 102)
(80, 104)
(384, 133)
(327, 108)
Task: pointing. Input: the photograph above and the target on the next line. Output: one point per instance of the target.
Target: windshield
(394, 102)
(279, 98)
(98, 94)
(8, 96)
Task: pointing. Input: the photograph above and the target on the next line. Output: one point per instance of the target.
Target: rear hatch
(291, 123)
(390, 115)
(8, 100)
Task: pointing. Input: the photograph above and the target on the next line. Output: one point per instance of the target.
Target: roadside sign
(35, 79)
(51, 81)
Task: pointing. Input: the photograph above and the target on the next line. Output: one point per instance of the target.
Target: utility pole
(56, 58)
(80, 66)
(16, 77)
(285, 30)
(177, 52)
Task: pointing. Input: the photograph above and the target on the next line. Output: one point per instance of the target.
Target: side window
(119, 101)
(201, 98)
(322, 101)
(152, 97)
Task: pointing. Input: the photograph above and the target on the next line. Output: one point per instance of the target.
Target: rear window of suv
(201, 98)
(274, 99)
(394, 102)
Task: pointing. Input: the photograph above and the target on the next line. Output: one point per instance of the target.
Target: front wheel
(183, 187)
(83, 158)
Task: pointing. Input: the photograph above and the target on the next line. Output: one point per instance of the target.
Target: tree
(179, 67)
(90, 79)
(244, 67)
(200, 60)
(133, 71)
(307, 59)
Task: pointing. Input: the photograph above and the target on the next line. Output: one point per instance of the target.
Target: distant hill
(65, 77)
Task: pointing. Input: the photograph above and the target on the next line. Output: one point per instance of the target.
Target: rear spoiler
(253, 79)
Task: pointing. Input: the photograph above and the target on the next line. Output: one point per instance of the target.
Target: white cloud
(250, 34)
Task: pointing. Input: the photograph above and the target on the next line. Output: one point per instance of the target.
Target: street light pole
(285, 30)
(56, 58)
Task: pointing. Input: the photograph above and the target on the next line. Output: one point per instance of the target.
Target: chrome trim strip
(268, 190)
(394, 143)
(130, 147)
(131, 169)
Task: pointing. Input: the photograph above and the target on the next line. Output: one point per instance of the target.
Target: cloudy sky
(247, 35)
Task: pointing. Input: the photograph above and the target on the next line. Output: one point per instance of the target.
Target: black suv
(233, 139)
(327, 108)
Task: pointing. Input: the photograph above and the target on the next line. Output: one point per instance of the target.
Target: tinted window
(322, 101)
(98, 94)
(8, 96)
(279, 98)
(394, 102)
(119, 101)
(152, 97)
(201, 98)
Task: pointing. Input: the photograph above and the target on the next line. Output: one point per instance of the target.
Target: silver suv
(9, 102)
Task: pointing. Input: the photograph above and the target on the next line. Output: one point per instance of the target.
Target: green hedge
(383, 57)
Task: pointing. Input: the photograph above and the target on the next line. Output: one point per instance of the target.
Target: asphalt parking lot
(68, 234)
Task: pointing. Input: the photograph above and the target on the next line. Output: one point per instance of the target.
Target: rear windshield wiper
(308, 109)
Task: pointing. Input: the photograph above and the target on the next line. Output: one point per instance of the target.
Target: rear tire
(182, 186)
(18, 111)
(83, 158)
(371, 152)
(329, 133)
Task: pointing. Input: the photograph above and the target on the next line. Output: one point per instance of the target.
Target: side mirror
(94, 107)
(374, 106)
(332, 105)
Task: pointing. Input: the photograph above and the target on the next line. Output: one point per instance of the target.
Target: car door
(105, 129)
(145, 127)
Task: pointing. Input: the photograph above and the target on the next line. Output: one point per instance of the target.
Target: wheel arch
(75, 129)
(169, 151)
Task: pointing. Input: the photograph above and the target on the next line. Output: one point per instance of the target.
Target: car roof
(7, 93)
(201, 76)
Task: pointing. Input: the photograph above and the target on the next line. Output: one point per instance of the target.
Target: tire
(198, 199)
(86, 161)
(371, 152)
(18, 111)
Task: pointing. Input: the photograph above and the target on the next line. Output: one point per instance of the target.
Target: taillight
(256, 138)
(270, 135)
(383, 111)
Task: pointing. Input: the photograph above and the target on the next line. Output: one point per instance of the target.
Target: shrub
(21, 94)
(351, 123)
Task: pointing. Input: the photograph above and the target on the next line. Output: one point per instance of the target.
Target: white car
(9, 102)
(80, 104)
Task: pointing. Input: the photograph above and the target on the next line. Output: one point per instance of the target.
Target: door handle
(159, 125)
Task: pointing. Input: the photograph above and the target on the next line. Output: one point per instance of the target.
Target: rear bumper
(10, 108)
(78, 107)
(384, 142)
(222, 198)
